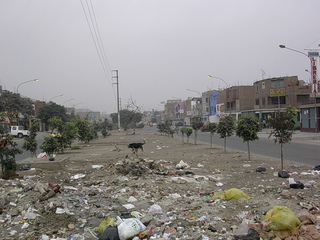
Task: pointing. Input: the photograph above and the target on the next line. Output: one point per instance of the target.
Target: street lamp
(56, 97)
(194, 91)
(74, 105)
(314, 81)
(33, 80)
(68, 101)
(209, 76)
(284, 46)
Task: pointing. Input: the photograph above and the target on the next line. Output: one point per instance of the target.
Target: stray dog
(136, 146)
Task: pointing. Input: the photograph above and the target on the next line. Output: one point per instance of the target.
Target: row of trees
(77, 128)
(247, 128)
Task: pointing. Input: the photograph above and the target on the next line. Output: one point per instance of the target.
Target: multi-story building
(193, 110)
(234, 100)
(261, 99)
(171, 107)
(206, 105)
(274, 94)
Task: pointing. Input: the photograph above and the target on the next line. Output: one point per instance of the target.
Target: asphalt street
(304, 148)
(306, 153)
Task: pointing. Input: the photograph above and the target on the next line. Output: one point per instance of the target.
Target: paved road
(295, 151)
(26, 154)
(305, 147)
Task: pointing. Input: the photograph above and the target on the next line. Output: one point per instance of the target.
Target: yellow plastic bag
(235, 194)
(231, 194)
(104, 224)
(219, 195)
(281, 218)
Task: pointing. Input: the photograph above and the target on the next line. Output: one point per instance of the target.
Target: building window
(278, 83)
(257, 101)
(256, 86)
(276, 100)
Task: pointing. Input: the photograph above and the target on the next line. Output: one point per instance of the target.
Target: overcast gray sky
(159, 47)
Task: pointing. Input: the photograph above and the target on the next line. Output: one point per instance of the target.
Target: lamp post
(56, 97)
(209, 76)
(68, 101)
(194, 91)
(74, 105)
(33, 80)
(314, 80)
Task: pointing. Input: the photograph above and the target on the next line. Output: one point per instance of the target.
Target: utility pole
(118, 98)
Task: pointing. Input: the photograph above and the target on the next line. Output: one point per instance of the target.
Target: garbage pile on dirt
(173, 191)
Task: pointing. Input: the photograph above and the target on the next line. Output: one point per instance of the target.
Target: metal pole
(118, 99)
(314, 81)
(33, 80)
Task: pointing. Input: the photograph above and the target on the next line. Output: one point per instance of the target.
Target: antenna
(263, 73)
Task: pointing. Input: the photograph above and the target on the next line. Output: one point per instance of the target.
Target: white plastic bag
(42, 155)
(155, 209)
(129, 228)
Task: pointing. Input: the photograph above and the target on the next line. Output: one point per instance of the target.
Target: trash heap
(147, 199)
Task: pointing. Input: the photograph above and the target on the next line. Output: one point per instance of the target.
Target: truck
(18, 131)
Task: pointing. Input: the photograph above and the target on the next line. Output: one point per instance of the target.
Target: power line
(95, 34)
(102, 46)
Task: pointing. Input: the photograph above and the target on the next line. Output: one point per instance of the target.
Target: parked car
(205, 128)
(55, 133)
(18, 131)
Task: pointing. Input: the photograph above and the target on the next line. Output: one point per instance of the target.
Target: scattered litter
(129, 206)
(182, 165)
(281, 218)
(77, 176)
(42, 155)
(283, 174)
(97, 166)
(130, 227)
(261, 169)
(155, 209)
(231, 194)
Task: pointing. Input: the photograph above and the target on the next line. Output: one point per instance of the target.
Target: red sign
(314, 75)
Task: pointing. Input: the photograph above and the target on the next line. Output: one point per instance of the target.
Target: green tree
(56, 123)
(166, 128)
(85, 133)
(50, 146)
(12, 104)
(225, 128)
(248, 128)
(69, 133)
(128, 118)
(30, 142)
(105, 127)
(188, 132)
(196, 127)
(183, 132)
(212, 127)
(52, 110)
(283, 126)
(8, 151)
(95, 129)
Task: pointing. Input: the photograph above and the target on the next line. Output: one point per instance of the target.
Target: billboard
(276, 92)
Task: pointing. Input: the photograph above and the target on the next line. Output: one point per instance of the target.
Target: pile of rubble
(158, 199)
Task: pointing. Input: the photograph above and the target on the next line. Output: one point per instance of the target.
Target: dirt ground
(180, 177)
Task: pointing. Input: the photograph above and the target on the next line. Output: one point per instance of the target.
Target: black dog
(136, 146)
